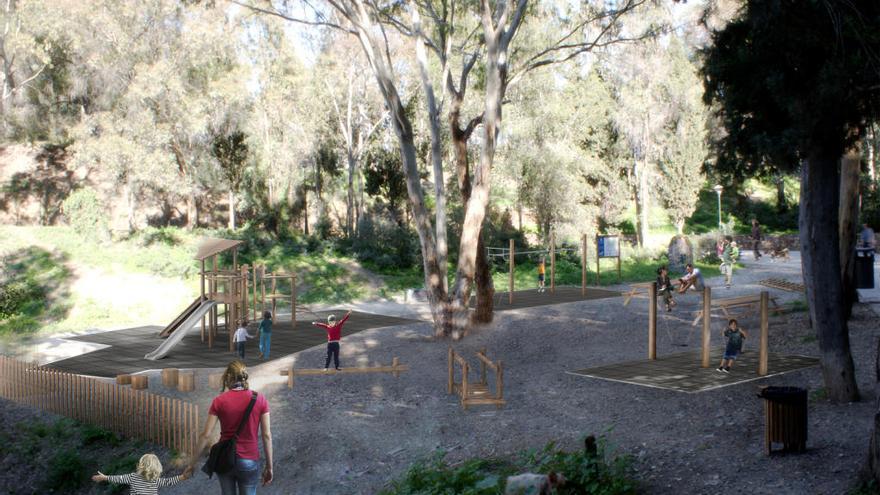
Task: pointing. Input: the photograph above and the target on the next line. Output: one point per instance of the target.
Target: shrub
(15, 295)
(66, 472)
(85, 213)
(91, 434)
(386, 244)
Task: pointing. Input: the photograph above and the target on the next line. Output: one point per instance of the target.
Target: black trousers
(757, 248)
(332, 350)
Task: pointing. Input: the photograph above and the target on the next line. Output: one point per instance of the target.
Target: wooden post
(290, 377)
(235, 259)
(451, 375)
(293, 300)
(598, 278)
(619, 246)
(464, 385)
(123, 379)
(263, 288)
(765, 334)
(139, 382)
(170, 377)
(215, 381)
(552, 263)
(652, 321)
(483, 378)
(274, 299)
(584, 265)
(395, 362)
(254, 301)
(186, 382)
(707, 320)
(512, 267)
(202, 285)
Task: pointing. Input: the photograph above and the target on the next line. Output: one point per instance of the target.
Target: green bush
(386, 244)
(91, 434)
(16, 295)
(66, 472)
(85, 214)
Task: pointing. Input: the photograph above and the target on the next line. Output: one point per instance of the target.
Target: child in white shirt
(240, 337)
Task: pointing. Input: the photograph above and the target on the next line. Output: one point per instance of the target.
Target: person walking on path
(727, 261)
(229, 409)
(735, 337)
(664, 287)
(542, 268)
(756, 238)
(240, 338)
(146, 480)
(265, 335)
(867, 239)
(693, 278)
(334, 335)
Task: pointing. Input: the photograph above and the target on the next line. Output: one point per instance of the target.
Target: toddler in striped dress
(146, 480)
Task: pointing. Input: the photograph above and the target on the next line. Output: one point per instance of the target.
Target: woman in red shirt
(228, 408)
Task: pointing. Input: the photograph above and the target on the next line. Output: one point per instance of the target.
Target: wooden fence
(171, 423)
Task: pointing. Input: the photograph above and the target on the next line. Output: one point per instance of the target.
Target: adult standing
(867, 238)
(727, 261)
(229, 409)
(756, 238)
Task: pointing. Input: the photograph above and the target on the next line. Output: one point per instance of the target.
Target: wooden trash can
(140, 382)
(215, 381)
(123, 379)
(785, 416)
(186, 381)
(169, 377)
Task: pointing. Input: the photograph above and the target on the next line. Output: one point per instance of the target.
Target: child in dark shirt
(735, 337)
(664, 287)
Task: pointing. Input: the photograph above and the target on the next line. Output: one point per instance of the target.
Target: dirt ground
(351, 434)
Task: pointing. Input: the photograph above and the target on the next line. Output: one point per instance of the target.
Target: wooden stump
(215, 381)
(139, 382)
(170, 377)
(186, 381)
(123, 379)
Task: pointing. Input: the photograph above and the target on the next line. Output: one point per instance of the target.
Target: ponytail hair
(236, 372)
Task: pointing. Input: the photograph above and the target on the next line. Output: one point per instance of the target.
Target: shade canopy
(213, 245)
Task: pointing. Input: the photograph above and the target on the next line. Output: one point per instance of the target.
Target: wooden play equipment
(140, 382)
(778, 283)
(170, 377)
(215, 381)
(750, 304)
(186, 381)
(638, 289)
(123, 379)
(509, 253)
(764, 310)
(785, 418)
(127, 411)
(476, 393)
(227, 292)
(394, 369)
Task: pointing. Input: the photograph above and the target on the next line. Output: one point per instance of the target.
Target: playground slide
(181, 331)
(180, 318)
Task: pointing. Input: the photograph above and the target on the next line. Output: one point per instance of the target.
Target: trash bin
(865, 268)
(785, 414)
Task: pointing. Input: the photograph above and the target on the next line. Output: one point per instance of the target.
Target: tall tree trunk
(349, 203)
(231, 209)
(485, 290)
(131, 204)
(820, 253)
(641, 170)
(781, 203)
(848, 216)
(874, 444)
(871, 143)
(305, 211)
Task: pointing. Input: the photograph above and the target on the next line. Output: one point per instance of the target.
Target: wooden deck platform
(128, 347)
(682, 372)
(532, 298)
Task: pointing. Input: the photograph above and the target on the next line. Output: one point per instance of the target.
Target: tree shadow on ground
(34, 289)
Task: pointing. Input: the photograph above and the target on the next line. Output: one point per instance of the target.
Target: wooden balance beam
(394, 369)
(751, 303)
(639, 289)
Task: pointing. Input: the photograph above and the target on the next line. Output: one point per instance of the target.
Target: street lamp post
(718, 190)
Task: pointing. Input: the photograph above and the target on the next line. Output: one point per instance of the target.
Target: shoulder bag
(221, 459)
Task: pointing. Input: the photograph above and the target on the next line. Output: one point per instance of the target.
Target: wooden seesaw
(394, 369)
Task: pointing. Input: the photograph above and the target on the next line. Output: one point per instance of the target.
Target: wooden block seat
(750, 303)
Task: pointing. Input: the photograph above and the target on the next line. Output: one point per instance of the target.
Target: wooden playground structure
(476, 393)
(763, 305)
(233, 292)
(394, 369)
(509, 253)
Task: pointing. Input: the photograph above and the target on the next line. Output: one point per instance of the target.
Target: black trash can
(785, 415)
(865, 268)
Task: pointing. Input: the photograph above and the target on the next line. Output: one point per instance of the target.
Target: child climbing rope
(334, 335)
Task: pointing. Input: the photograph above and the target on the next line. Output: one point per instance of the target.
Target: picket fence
(171, 423)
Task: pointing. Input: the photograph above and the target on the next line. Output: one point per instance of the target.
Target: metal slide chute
(181, 330)
(180, 318)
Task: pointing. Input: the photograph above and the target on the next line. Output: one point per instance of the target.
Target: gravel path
(350, 434)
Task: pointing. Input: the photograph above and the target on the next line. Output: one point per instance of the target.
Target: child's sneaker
(325, 369)
(719, 369)
(726, 370)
